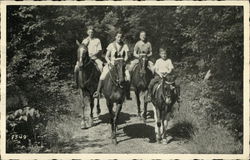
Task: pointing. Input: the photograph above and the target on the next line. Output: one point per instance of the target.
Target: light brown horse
(87, 77)
(114, 92)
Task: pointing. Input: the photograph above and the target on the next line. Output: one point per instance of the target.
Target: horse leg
(144, 115)
(91, 111)
(137, 94)
(111, 114)
(157, 124)
(83, 122)
(98, 107)
(165, 125)
(117, 112)
(165, 135)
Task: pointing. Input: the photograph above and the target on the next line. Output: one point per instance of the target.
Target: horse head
(143, 59)
(119, 68)
(167, 90)
(82, 53)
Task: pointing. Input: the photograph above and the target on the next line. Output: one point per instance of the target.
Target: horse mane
(86, 54)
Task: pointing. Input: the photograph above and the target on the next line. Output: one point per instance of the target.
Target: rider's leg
(150, 87)
(102, 77)
(151, 66)
(128, 78)
(99, 64)
(132, 64)
(76, 69)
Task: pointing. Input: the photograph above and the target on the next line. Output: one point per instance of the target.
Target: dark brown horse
(140, 78)
(163, 99)
(87, 77)
(114, 92)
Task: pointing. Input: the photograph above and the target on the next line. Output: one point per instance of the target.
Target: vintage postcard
(125, 80)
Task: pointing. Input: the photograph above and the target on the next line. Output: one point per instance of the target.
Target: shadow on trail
(181, 131)
(139, 130)
(123, 118)
(78, 144)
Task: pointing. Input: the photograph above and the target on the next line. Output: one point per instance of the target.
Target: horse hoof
(169, 138)
(114, 141)
(144, 120)
(91, 123)
(165, 141)
(158, 141)
(139, 115)
(83, 125)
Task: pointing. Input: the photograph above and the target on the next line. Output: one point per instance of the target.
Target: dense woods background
(41, 53)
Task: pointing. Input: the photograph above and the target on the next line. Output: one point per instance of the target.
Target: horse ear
(77, 42)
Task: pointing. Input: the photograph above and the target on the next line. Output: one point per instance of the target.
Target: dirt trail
(133, 136)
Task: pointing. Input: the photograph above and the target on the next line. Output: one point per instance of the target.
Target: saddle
(156, 87)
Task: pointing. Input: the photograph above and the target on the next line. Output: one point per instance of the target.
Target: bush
(214, 140)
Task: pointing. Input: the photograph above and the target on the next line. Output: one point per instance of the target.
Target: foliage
(23, 127)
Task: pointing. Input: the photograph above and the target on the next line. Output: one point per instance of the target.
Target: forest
(41, 54)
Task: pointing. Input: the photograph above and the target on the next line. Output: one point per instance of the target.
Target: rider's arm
(85, 41)
(126, 53)
(136, 51)
(107, 57)
(150, 50)
(157, 65)
(170, 66)
(98, 48)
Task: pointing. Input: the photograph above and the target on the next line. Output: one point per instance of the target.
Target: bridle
(165, 82)
(114, 68)
(141, 57)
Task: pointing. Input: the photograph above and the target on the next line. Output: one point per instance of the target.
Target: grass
(204, 137)
(214, 140)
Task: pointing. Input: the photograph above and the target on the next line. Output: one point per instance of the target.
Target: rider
(94, 48)
(142, 47)
(117, 46)
(163, 66)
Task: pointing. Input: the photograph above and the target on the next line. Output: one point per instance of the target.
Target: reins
(111, 77)
(85, 65)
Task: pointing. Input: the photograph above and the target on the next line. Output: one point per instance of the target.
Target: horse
(87, 77)
(140, 79)
(114, 91)
(163, 99)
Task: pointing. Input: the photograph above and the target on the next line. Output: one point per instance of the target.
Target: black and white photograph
(124, 78)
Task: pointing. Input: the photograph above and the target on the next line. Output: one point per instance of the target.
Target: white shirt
(94, 45)
(112, 50)
(141, 46)
(164, 66)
